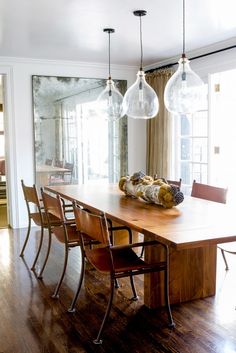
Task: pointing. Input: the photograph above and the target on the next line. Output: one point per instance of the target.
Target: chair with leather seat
(63, 177)
(36, 213)
(116, 261)
(67, 176)
(64, 231)
(58, 175)
(209, 192)
(216, 194)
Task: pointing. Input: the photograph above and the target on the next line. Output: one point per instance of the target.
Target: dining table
(44, 171)
(191, 231)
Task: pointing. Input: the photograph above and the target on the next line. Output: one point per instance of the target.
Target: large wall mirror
(73, 144)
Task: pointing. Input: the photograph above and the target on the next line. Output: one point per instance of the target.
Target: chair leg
(130, 235)
(98, 339)
(26, 239)
(226, 263)
(142, 252)
(40, 276)
(39, 248)
(72, 306)
(55, 294)
(112, 242)
(167, 300)
(117, 285)
(135, 296)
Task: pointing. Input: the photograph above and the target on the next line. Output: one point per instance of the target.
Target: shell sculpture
(156, 191)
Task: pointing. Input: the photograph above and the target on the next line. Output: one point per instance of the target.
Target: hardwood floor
(33, 322)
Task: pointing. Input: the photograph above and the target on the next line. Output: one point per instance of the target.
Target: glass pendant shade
(184, 92)
(109, 102)
(140, 100)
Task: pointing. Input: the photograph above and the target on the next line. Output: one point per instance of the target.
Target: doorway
(3, 181)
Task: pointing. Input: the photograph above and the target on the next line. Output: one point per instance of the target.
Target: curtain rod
(194, 58)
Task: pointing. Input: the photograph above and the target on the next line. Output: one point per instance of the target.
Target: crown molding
(71, 63)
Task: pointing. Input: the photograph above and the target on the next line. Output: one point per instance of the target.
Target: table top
(49, 169)
(193, 223)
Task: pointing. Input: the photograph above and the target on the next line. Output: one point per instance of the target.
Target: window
(192, 147)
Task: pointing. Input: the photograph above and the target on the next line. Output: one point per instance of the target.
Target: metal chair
(64, 231)
(208, 192)
(67, 176)
(36, 213)
(55, 177)
(216, 194)
(116, 261)
(64, 177)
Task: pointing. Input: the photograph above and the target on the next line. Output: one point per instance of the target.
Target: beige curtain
(159, 128)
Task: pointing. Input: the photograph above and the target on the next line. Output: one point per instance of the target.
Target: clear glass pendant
(109, 102)
(140, 101)
(184, 91)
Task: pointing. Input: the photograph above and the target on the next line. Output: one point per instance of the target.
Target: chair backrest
(48, 161)
(94, 225)
(69, 166)
(175, 182)
(58, 163)
(30, 194)
(33, 204)
(208, 192)
(53, 206)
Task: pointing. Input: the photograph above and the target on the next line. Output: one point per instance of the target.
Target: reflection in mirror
(73, 144)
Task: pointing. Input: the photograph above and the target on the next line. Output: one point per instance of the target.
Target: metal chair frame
(38, 216)
(96, 226)
(64, 230)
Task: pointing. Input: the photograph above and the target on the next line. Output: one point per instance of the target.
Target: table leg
(192, 275)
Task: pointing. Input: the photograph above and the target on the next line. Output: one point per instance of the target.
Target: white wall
(19, 121)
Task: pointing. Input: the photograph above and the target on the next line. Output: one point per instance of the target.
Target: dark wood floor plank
(33, 322)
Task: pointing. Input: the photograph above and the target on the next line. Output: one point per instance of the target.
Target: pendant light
(109, 102)
(140, 100)
(184, 91)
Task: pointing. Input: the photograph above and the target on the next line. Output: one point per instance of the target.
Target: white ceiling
(73, 29)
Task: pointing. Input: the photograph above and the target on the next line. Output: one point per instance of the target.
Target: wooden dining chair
(116, 261)
(216, 194)
(36, 213)
(64, 231)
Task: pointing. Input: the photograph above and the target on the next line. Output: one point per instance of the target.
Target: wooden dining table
(44, 171)
(191, 230)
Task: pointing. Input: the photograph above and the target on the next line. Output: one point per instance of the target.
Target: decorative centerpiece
(156, 191)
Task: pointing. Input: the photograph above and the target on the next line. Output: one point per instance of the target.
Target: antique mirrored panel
(73, 143)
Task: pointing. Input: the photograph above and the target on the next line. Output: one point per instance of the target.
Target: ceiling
(73, 29)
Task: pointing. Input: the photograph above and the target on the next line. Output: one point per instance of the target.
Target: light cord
(184, 27)
(141, 42)
(109, 54)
